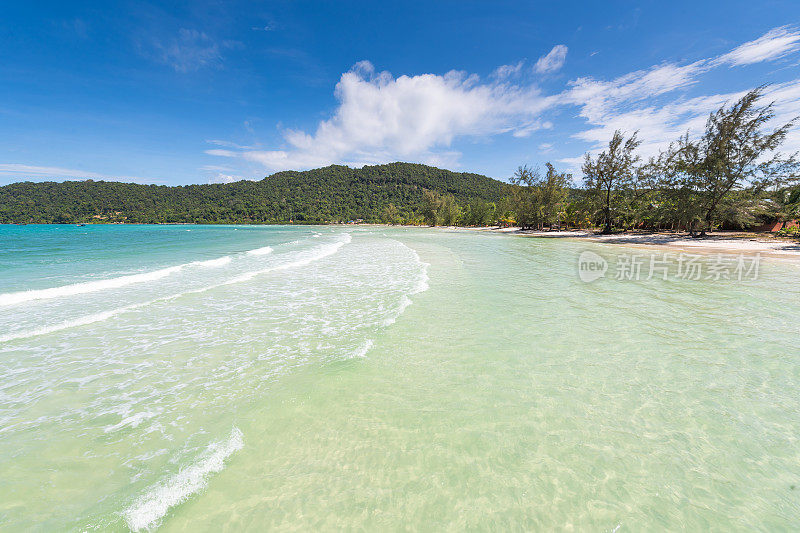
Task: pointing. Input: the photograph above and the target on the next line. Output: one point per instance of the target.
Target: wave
(420, 286)
(362, 350)
(153, 505)
(12, 298)
(306, 258)
(218, 262)
(82, 321)
(132, 421)
(260, 251)
(422, 283)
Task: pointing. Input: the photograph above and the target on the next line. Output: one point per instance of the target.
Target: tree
(787, 205)
(553, 195)
(330, 194)
(448, 211)
(524, 200)
(734, 153)
(390, 215)
(539, 200)
(479, 213)
(611, 173)
(431, 202)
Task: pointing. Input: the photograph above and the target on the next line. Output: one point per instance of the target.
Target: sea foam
(260, 251)
(12, 298)
(151, 507)
(420, 286)
(303, 258)
(82, 321)
(218, 262)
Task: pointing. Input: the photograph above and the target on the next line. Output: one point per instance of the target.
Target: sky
(207, 92)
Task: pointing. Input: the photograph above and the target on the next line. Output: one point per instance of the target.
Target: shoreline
(715, 243)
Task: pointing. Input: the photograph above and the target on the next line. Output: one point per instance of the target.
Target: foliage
(330, 194)
(705, 175)
(731, 176)
(431, 205)
(537, 200)
(612, 174)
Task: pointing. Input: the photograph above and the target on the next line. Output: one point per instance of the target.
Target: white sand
(714, 243)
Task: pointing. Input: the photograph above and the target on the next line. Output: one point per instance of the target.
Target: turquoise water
(192, 378)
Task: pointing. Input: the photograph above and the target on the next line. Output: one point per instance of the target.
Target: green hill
(330, 194)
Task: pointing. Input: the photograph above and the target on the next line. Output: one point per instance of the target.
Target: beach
(381, 378)
(715, 242)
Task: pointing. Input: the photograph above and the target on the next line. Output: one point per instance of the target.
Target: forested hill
(330, 194)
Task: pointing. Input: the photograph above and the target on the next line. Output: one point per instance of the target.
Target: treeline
(732, 176)
(325, 195)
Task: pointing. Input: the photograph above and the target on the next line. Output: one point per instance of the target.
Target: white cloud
(553, 61)
(657, 125)
(26, 172)
(189, 50)
(225, 178)
(381, 118)
(596, 97)
(772, 45)
(229, 144)
(630, 102)
(527, 130)
(222, 153)
(507, 71)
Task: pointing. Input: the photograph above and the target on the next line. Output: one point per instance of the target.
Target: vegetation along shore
(732, 177)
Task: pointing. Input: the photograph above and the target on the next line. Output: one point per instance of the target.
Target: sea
(328, 378)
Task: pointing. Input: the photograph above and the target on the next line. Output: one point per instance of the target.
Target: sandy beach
(714, 243)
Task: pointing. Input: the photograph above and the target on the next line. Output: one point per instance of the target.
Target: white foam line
(220, 261)
(327, 250)
(12, 298)
(421, 286)
(362, 350)
(260, 251)
(151, 507)
(82, 321)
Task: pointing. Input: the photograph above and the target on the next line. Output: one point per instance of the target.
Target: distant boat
(80, 225)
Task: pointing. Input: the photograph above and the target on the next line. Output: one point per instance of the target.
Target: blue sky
(200, 92)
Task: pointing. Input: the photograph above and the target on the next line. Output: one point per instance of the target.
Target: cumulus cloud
(553, 61)
(382, 118)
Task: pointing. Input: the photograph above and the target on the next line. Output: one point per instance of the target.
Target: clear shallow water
(298, 387)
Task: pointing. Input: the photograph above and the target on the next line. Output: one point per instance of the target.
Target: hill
(331, 194)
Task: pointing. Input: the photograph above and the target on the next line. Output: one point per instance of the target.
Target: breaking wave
(151, 507)
(304, 257)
